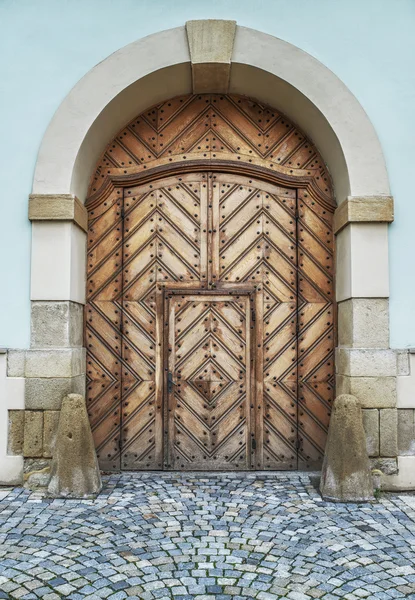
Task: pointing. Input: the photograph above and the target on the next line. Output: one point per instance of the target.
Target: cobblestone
(163, 536)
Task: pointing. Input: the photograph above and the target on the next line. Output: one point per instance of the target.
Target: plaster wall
(59, 42)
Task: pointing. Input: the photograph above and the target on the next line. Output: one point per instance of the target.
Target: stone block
(404, 479)
(372, 392)
(210, 44)
(58, 207)
(371, 427)
(402, 362)
(365, 362)
(406, 386)
(33, 433)
(364, 323)
(16, 363)
(368, 209)
(47, 393)
(36, 472)
(56, 324)
(16, 432)
(59, 362)
(50, 429)
(406, 432)
(388, 427)
(388, 466)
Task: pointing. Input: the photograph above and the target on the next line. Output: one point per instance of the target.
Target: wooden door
(225, 282)
(208, 387)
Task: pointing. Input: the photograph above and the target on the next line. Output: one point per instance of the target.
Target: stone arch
(159, 66)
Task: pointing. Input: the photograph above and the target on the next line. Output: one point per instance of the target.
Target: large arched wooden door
(210, 319)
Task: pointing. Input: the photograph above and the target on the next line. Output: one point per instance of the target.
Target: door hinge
(253, 315)
(253, 443)
(298, 444)
(122, 212)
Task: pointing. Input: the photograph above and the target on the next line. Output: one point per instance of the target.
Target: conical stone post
(346, 475)
(74, 470)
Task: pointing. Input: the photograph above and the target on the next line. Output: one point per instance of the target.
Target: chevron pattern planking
(209, 397)
(175, 250)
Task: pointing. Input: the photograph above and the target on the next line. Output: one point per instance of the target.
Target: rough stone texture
(47, 393)
(372, 392)
(211, 44)
(36, 472)
(405, 386)
(402, 363)
(356, 362)
(206, 536)
(16, 363)
(404, 479)
(406, 432)
(16, 432)
(33, 433)
(364, 323)
(59, 362)
(388, 425)
(50, 429)
(369, 209)
(346, 475)
(58, 207)
(74, 471)
(371, 426)
(56, 324)
(388, 466)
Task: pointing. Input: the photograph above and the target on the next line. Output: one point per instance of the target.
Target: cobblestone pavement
(205, 537)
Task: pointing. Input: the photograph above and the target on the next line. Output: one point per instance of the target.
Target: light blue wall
(47, 45)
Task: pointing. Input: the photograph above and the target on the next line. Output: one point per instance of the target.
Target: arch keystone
(211, 45)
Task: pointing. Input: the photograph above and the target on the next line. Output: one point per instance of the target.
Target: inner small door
(208, 382)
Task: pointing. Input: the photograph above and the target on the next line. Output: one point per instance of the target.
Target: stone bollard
(74, 469)
(346, 474)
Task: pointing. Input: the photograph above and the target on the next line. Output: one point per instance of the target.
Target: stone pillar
(365, 365)
(55, 364)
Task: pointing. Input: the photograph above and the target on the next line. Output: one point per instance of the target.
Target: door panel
(316, 329)
(209, 388)
(224, 281)
(164, 241)
(103, 329)
(255, 242)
